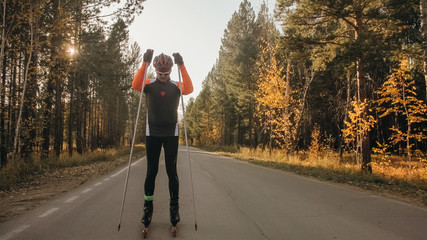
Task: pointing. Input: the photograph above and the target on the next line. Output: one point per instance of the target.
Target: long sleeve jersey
(162, 101)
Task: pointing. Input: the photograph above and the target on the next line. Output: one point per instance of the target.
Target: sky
(193, 28)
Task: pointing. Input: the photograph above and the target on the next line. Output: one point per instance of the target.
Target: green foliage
(78, 97)
(327, 53)
(204, 113)
(331, 57)
(224, 111)
(236, 68)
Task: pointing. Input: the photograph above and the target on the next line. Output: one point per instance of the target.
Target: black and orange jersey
(162, 101)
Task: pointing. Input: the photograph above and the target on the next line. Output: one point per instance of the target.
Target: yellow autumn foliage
(274, 109)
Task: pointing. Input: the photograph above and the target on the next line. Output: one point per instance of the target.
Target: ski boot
(146, 219)
(174, 218)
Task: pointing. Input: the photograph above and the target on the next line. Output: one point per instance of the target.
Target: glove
(148, 55)
(178, 58)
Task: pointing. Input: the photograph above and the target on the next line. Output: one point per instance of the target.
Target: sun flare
(71, 51)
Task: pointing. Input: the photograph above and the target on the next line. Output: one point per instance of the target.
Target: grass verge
(23, 171)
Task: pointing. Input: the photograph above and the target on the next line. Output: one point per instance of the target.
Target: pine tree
(54, 83)
(236, 69)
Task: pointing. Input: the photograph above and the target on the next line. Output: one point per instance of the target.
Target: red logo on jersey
(162, 93)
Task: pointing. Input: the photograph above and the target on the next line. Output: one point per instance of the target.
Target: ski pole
(188, 151)
(131, 148)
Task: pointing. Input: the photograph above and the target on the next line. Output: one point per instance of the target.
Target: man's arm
(139, 76)
(187, 85)
(138, 79)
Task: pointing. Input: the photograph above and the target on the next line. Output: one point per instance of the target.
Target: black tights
(153, 148)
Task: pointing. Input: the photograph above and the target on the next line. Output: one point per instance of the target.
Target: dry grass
(22, 171)
(396, 168)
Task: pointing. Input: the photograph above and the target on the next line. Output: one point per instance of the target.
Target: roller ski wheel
(173, 231)
(145, 232)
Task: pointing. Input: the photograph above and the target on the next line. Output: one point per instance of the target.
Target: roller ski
(174, 218)
(146, 219)
(173, 231)
(145, 232)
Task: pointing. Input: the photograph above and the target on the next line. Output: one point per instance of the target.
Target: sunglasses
(163, 73)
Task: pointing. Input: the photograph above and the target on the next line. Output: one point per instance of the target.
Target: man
(162, 98)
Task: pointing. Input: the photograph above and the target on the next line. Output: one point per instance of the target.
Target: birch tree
(398, 97)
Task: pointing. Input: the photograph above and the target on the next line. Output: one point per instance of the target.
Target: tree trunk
(3, 149)
(59, 116)
(251, 128)
(365, 138)
(309, 77)
(47, 119)
(362, 96)
(79, 142)
(347, 104)
(30, 104)
(423, 10)
(26, 110)
(52, 78)
(3, 39)
(71, 116)
(3, 139)
(13, 113)
(288, 87)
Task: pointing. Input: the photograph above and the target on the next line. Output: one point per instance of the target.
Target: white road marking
(124, 169)
(14, 232)
(87, 190)
(71, 199)
(48, 212)
(52, 210)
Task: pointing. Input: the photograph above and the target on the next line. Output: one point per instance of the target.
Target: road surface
(234, 200)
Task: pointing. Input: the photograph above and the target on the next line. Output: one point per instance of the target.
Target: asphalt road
(233, 199)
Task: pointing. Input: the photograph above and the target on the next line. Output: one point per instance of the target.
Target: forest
(65, 77)
(343, 75)
(340, 75)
